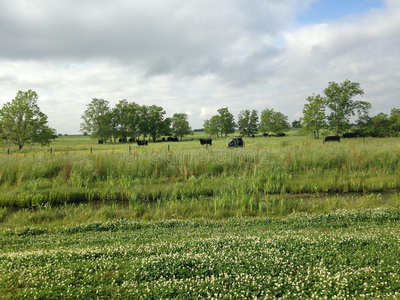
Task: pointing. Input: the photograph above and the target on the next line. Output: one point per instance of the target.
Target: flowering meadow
(337, 255)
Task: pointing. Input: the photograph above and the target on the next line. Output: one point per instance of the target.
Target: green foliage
(272, 121)
(343, 255)
(213, 126)
(180, 125)
(227, 122)
(248, 122)
(97, 119)
(313, 119)
(22, 122)
(339, 99)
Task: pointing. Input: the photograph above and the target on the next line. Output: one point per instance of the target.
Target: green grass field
(342, 255)
(282, 217)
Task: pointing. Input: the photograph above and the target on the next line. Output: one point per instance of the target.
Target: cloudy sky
(196, 56)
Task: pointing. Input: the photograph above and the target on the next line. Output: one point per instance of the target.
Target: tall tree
(248, 122)
(180, 125)
(313, 115)
(22, 122)
(339, 99)
(296, 124)
(98, 119)
(212, 126)
(394, 120)
(227, 121)
(273, 121)
(157, 126)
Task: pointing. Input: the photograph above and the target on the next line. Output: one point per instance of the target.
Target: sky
(196, 56)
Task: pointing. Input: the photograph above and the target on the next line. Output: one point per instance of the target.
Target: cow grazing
(332, 138)
(206, 142)
(122, 140)
(280, 134)
(172, 139)
(142, 143)
(253, 135)
(265, 134)
(100, 142)
(236, 142)
(131, 140)
(350, 135)
(163, 139)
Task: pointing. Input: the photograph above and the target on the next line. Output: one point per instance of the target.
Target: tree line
(333, 111)
(131, 120)
(22, 122)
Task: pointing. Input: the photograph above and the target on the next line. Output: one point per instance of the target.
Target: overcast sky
(196, 56)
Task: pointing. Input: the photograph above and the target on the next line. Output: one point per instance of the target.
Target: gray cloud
(191, 55)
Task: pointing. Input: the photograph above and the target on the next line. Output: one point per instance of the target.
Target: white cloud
(193, 56)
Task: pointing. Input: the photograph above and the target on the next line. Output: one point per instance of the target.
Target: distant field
(235, 178)
(341, 255)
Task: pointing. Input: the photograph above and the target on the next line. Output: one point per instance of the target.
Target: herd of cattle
(234, 143)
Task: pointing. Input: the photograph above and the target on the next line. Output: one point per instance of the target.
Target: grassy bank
(150, 175)
(351, 254)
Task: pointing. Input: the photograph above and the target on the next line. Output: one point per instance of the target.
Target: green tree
(227, 121)
(98, 119)
(313, 115)
(394, 120)
(296, 124)
(180, 125)
(339, 99)
(248, 122)
(22, 122)
(212, 126)
(156, 125)
(273, 121)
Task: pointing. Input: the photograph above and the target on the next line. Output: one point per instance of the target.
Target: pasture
(283, 217)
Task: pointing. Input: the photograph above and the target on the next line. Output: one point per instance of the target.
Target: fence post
(91, 150)
(168, 147)
(8, 151)
(206, 147)
(51, 150)
(129, 147)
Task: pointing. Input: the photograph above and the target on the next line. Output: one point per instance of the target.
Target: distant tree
(156, 125)
(22, 122)
(296, 124)
(98, 119)
(272, 121)
(248, 122)
(85, 133)
(379, 125)
(313, 115)
(180, 125)
(213, 126)
(339, 99)
(227, 121)
(394, 120)
(121, 119)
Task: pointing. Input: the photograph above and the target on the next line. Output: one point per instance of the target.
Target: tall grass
(149, 175)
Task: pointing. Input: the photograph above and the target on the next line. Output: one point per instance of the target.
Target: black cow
(280, 134)
(265, 134)
(253, 135)
(172, 139)
(206, 142)
(122, 140)
(236, 142)
(332, 138)
(142, 143)
(350, 135)
(163, 139)
(131, 140)
(100, 142)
